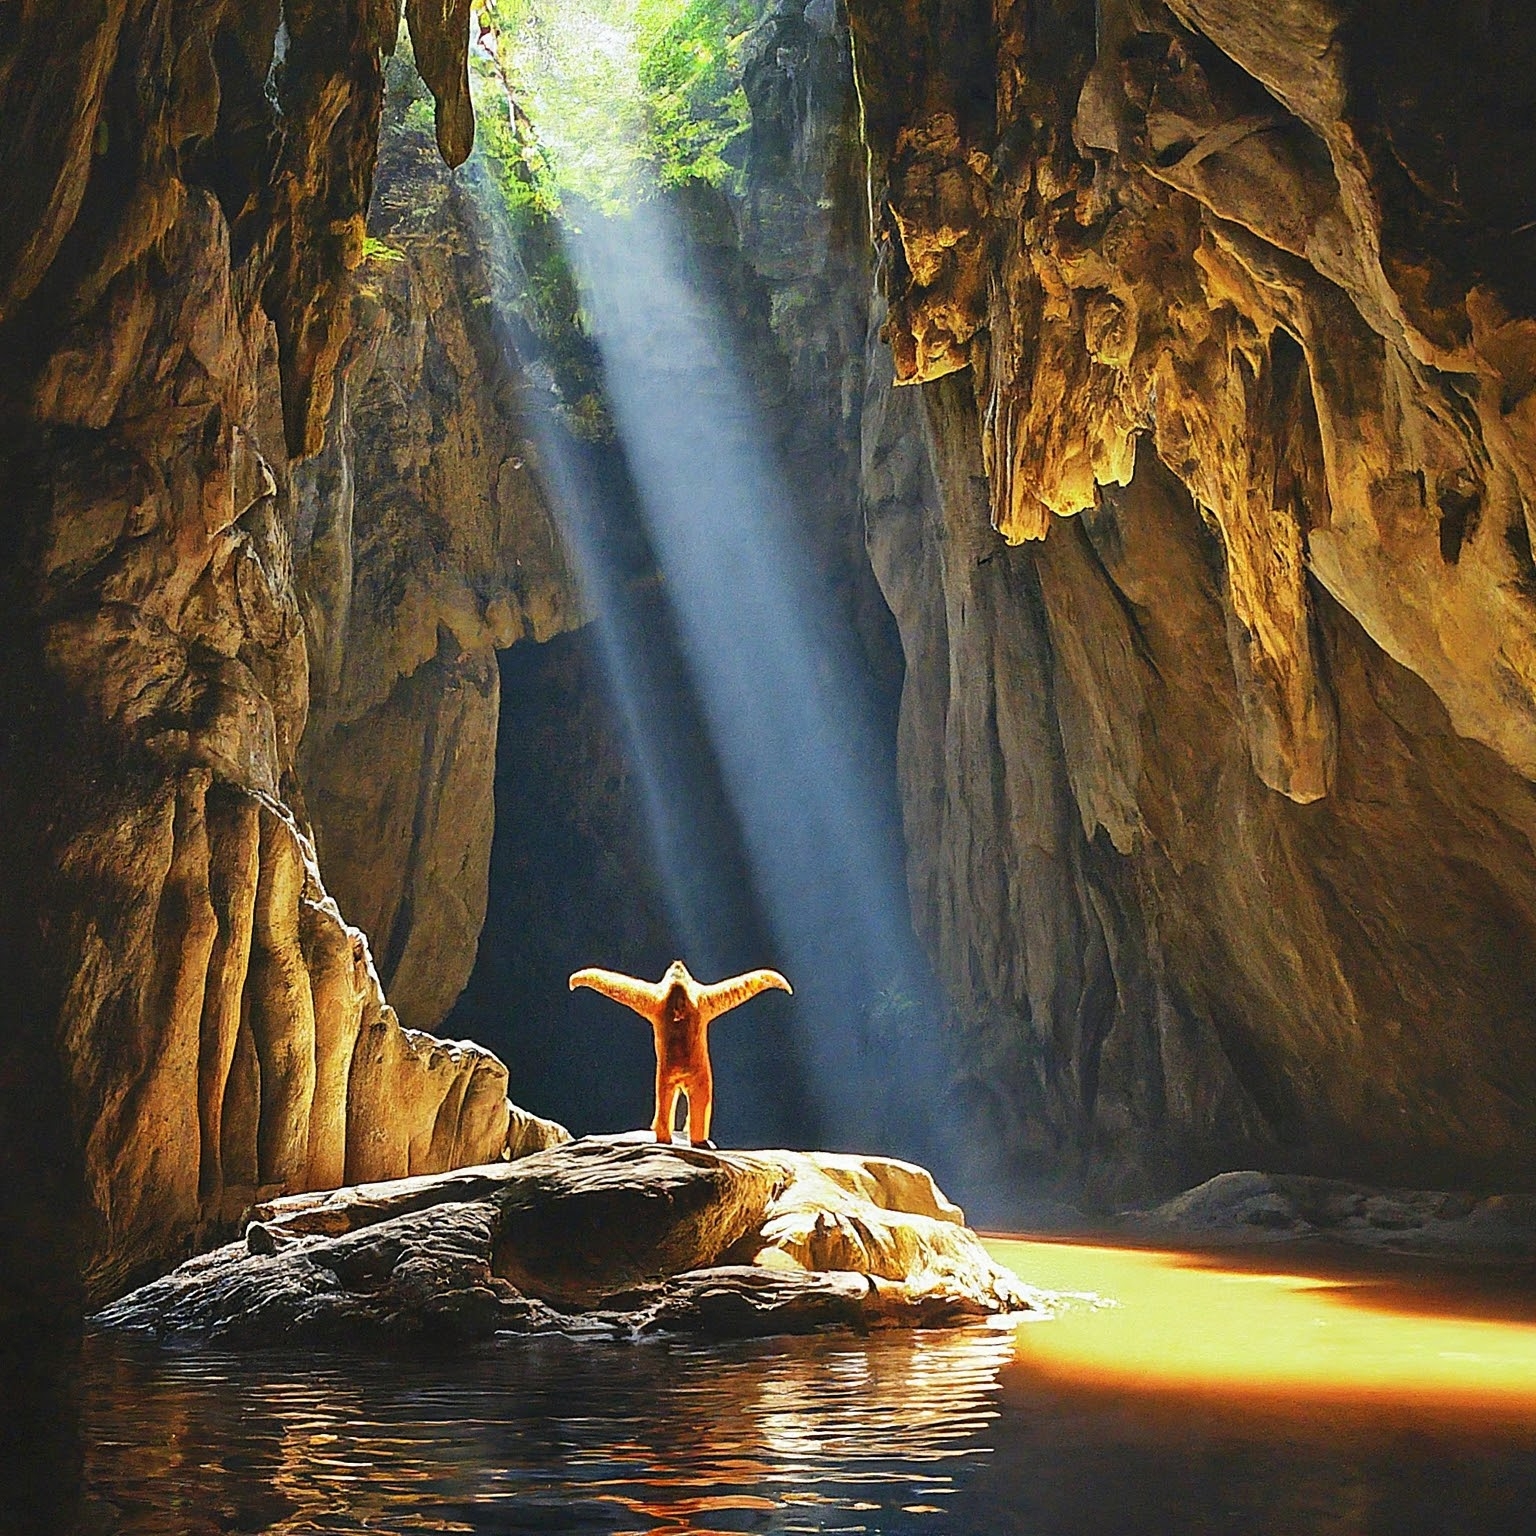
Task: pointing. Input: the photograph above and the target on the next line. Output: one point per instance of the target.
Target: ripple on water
(544, 1435)
(1166, 1395)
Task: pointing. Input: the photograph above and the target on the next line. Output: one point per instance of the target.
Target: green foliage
(630, 97)
(695, 111)
(583, 108)
(420, 115)
(510, 150)
(537, 289)
(571, 67)
(380, 250)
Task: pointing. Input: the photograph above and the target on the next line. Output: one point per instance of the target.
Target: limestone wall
(1214, 571)
(188, 1016)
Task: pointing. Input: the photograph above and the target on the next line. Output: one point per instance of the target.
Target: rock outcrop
(1217, 763)
(191, 1020)
(609, 1235)
(1240, 1209)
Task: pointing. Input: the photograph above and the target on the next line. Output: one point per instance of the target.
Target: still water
(1165, 1394)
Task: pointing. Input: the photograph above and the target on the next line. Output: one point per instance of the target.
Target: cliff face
(422, 545)
(190, 1018)
(1218, 769)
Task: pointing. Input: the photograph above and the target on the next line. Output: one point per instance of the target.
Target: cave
(989, 547)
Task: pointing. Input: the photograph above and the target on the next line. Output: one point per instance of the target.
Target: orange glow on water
(1144, 1320)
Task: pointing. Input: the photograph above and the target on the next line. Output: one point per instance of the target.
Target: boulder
(603, 1235)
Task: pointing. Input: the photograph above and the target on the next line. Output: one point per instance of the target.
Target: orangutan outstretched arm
(731, 993)
(643, 996)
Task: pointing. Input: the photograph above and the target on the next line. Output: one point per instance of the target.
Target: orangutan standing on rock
(680, 1012)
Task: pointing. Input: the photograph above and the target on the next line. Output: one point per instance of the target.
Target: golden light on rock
(1146, 1320)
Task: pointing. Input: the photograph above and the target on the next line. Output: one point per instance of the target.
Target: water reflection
(1152, 1320)
(1168, 1393)
(547, 1435)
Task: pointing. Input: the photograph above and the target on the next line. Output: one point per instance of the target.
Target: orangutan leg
(667, 1090)
(701, 1106)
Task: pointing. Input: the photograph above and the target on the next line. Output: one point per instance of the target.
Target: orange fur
(680, 1012)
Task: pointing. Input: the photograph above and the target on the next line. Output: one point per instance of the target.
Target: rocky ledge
(1237, 1209)
(616, 1236)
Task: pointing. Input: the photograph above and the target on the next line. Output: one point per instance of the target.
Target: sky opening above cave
(614, 100)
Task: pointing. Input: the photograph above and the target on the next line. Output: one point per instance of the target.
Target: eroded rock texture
(1242, 1209)
(1217, 772)
(603, 1236)
(190, 1019)
(422, 545)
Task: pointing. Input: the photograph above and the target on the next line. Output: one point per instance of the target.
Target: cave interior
(1018, 516)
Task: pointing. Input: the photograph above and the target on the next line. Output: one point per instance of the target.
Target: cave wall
(422, 546)
(190, 1018)
(1217, 762)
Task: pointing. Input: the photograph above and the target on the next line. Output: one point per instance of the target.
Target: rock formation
(191, 1020)
(1247, 1208)
(601, 1236)
(422, 543)
(1217, 763)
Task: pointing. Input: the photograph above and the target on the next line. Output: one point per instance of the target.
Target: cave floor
(1267, 1393)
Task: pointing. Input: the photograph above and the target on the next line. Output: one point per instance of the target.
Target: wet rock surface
(611, 1235)
(1248, 1207)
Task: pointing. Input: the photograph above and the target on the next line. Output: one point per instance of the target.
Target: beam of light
(777, 667)
(577, 503)
(1137, 1320)
(782, 688)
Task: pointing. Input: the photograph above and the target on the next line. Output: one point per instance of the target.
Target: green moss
(380, 250)
(535, 290)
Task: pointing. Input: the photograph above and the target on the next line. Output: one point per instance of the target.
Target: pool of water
(1165, 1393)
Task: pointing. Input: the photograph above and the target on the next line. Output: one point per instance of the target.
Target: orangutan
(680, 1012)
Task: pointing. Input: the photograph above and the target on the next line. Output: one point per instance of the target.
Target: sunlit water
(1163, 1395)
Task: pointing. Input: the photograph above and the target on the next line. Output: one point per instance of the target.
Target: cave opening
(594, 858)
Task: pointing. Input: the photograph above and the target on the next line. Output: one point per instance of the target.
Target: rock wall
(804, 271)
(189, 1018)
(422, 545)
(1218, 761)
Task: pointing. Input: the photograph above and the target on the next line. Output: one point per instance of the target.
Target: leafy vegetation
(695, 111)
(583, 108)
(536, 290)
(630, 97)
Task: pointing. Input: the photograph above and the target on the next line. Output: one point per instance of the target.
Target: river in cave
(1161, 1392)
